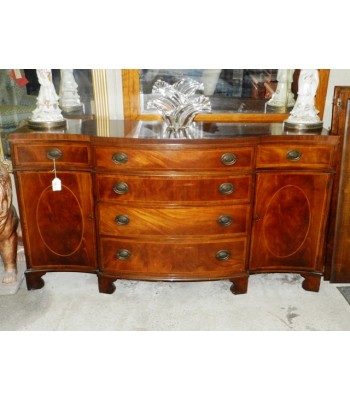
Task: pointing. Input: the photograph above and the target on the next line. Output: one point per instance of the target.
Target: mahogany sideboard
(235, 200)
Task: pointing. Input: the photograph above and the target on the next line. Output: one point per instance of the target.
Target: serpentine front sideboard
(235, 200)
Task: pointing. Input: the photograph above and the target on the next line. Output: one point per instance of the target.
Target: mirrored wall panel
(231, 90)
(19, 89)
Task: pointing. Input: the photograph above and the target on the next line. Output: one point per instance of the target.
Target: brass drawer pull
(123, 254)
(228, 159)
(122, 219)
(293, 155)
(121, 188)
(223, 255)
(120, 158)
(226, 188)
(225, 220)
(54, 153)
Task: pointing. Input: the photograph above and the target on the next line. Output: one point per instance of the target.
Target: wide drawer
(173, 258)
(120, 220)
(126, 158)
(165, 188)
(65, 155)
(295, 155)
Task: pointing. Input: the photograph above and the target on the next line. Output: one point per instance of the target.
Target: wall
(338, 77)
(115, 93)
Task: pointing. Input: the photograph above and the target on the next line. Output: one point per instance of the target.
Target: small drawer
(294, 155)
(122, 220)
(72, 154)
(179, 188)
(124, 158)
(174, 258)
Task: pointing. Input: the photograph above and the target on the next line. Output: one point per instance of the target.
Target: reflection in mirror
(70, 100)
(17, 102)
(75, 85)
(231, 90)
(19, 89)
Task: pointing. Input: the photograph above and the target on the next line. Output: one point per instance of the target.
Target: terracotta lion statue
(9, 223)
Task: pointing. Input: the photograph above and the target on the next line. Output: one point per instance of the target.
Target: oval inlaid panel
(287, 221)
(59, 212)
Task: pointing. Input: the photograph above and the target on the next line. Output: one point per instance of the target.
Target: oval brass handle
(225, 220)
(122, 219)
(226, 188)
(228, 158)
(54, 153)
(223, 255)
(293, 155)
(121, 188)
(123, 254)
(120, 158)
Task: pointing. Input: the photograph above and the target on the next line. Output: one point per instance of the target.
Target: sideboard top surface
(155, 132)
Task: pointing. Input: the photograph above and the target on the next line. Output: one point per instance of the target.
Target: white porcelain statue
(304, 111)
(283, 96)
(47, 109)
(210, 79)
(69, 97)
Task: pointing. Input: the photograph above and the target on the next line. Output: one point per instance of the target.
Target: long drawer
(177, 188)
(120, 220)
(125, 158)
(181, 257)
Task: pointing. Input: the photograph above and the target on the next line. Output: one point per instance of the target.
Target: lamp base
(278, 109)
(47, 124)
(303, 126)
(73, 109)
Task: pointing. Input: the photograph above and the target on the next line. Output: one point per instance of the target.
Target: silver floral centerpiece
(178, 105)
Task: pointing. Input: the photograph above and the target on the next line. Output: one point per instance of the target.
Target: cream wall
(337, 77)
(115, 93)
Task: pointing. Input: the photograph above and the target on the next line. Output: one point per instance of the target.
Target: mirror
(72, 86)
(19, 89)
(241, 95)
(229, 90)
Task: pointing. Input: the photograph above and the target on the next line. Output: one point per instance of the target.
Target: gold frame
(99, 81)
(131, 101)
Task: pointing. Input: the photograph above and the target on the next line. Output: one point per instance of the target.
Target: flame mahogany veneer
(241, 199)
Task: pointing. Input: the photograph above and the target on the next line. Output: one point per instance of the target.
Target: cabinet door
(58, 226)
(289, 222)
